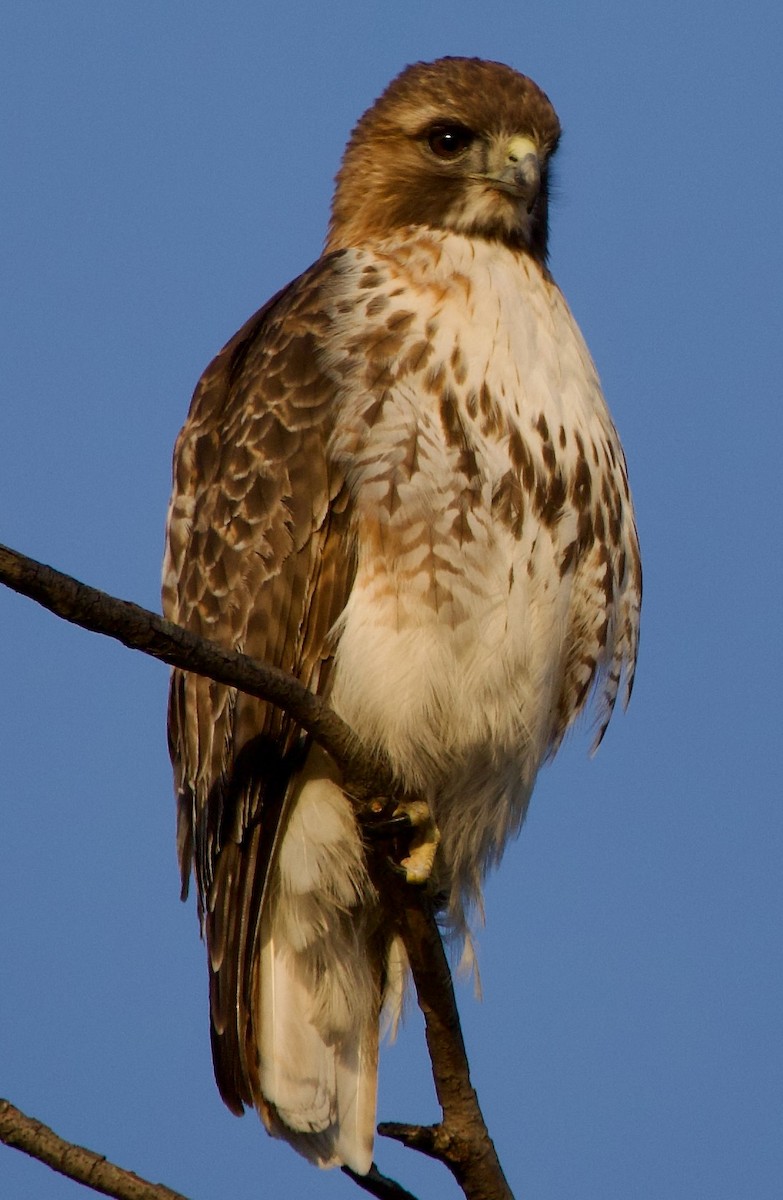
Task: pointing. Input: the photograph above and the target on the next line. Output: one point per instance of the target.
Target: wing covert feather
(258, 559)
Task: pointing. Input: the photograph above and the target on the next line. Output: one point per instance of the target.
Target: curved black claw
(389, 827)
(403, 873)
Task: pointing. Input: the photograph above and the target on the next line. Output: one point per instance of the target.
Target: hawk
(400, 483)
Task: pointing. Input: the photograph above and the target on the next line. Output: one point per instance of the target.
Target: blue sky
(166, 168)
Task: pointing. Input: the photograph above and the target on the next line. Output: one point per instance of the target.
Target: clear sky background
(168, 166)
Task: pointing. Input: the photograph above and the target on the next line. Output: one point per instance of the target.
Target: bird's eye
(449, 141)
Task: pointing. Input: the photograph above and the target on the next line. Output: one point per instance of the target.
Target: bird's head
(458, 144)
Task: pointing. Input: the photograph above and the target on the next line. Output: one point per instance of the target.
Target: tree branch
(378, 1185)
(461, 1140)
(139, 629)
(77, 1163)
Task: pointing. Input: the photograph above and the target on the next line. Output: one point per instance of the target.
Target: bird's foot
(410, 819)
(417, 864)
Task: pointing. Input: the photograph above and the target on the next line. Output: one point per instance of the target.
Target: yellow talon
(424, 843)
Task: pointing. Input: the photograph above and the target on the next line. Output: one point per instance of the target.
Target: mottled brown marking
(508, 503)
(543, 428)
(582, 486)
(520, 457)
(434, 380)
(211, 608)
(607, 578)
(410, 462)
(626, 487)
(458, 365)
(460, 527)
(393, 499)
(467, 463)
(280, 442)
(382, 342)
(415, 358)
(210, 548)
(549, 456)
(399, 321)
(375, 306)
(451, 420)
(491, 418)
(549, 499)
(449, 417)
(239, 531)
(256, 500)
(636, 571)
(370, 278)
(567, 558)
(585, 533)
(379, 375)
(206, 453)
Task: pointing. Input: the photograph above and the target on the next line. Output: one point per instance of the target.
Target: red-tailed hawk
(400, 483)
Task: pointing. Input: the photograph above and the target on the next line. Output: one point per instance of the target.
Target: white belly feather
(452, 646)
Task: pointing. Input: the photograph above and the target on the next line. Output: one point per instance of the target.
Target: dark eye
(449, 141)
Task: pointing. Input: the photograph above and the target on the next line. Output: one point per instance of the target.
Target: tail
(318, 984)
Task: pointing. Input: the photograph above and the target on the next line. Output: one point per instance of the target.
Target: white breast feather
(450, 656)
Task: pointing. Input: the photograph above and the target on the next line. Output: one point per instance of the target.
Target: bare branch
(379, 1185)
(415, 1137)
(461, 1140)
(77, 1163)
(140, 629)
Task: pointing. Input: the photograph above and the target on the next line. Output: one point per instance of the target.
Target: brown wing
(257, 559)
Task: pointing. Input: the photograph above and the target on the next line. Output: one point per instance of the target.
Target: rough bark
(77, 1163)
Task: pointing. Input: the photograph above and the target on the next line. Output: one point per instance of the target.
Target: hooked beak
(520, 175)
